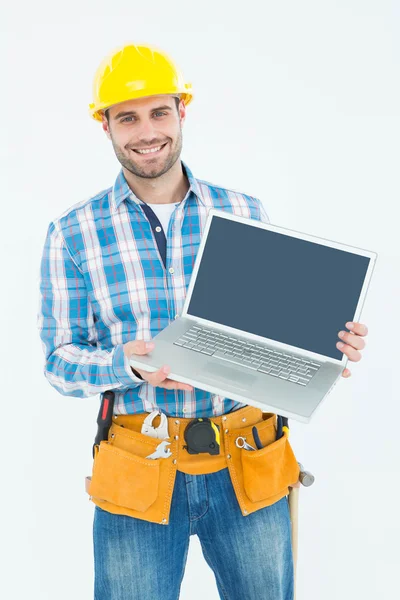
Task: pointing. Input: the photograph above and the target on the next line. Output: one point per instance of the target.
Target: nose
(147, 131)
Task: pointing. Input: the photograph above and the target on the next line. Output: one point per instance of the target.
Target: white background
(296, 103)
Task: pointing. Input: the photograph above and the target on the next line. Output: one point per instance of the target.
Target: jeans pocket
(123, 478)
(268, 471)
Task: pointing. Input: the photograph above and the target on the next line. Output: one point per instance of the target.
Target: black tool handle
(104, 418)
(257, 438)
(279, 425)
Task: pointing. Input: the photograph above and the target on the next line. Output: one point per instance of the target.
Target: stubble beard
(151, 171)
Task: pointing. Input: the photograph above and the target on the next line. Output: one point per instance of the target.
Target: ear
(105, 125)
(182, 111)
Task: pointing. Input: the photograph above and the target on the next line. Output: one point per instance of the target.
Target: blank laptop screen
(293, 291)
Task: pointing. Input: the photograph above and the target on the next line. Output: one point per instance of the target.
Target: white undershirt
(164, 212)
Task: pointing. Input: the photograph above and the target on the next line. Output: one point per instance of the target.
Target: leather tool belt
(125, 481)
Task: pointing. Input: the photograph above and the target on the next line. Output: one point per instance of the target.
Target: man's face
(152, 123)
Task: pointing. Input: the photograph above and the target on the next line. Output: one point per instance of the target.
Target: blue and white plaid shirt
(106, 279)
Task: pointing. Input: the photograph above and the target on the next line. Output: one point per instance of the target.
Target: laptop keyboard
(254, 356)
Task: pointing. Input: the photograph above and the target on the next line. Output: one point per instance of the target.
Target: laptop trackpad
(222, 373)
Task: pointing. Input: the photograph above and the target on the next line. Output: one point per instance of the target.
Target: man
(115, 271)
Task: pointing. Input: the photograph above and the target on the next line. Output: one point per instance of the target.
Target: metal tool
(306, 478)
(160, 432)
(161, 451)
(241, 443)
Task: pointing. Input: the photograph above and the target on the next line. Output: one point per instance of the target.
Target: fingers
(159, 378)
(349, 351)
(358, 328)
(137, 347)
(170, 384)
(346, 373)
(352, 339)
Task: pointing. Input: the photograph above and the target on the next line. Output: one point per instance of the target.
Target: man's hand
(353, 342)
(158, 378)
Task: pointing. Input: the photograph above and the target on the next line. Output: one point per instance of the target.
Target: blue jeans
(251, 556)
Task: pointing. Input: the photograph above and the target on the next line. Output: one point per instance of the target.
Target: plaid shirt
(107, 278)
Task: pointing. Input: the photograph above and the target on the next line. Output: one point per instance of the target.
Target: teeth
(149, 151)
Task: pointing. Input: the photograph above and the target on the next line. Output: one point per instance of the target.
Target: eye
(125, 118)
(159, 112)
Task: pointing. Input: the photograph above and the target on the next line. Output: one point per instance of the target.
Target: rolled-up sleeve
(263, 213)
(75, 364)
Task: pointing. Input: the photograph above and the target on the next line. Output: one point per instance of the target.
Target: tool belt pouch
(262, 477)
(270, 470)
(125, 482)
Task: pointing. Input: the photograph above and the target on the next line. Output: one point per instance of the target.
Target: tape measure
(202, 435)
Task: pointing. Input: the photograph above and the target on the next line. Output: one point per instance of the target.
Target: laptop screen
(276, 286)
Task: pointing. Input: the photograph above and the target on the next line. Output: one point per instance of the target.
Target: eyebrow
(132, 112)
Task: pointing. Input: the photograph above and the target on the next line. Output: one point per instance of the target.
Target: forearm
(84, 370)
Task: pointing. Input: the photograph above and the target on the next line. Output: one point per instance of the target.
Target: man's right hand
(158, 378)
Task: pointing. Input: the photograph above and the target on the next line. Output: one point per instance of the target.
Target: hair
(176, 98)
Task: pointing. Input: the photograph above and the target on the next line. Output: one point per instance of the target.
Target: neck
(170, 187)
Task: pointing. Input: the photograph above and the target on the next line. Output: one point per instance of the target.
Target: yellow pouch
(124, 478)
(261, 477)
(270, 470)
(125, 482)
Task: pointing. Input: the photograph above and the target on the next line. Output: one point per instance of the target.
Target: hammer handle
(294, 513)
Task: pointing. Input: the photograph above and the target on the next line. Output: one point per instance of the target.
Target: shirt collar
(121, 190)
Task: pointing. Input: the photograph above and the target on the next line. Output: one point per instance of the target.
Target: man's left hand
(352, 343)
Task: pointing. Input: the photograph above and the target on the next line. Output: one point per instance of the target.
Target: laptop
(262, 314)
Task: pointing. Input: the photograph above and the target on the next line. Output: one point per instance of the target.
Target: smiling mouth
(150, 151)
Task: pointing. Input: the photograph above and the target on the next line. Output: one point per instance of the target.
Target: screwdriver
(104, 418)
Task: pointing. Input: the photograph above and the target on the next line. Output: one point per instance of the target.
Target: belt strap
(202, 462)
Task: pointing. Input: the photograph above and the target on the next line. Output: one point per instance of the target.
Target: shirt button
(176, 316)
(171, 270)
(158, 229)
(183, 409)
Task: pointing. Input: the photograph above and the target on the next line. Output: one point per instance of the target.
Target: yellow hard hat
(135, 72)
